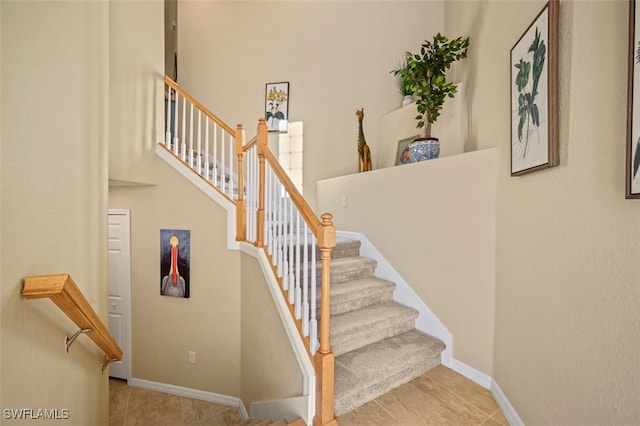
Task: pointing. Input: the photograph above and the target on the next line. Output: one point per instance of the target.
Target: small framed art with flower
(277, 106)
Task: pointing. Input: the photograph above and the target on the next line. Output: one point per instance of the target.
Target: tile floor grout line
(493, 416)
(375, 401)
(460, 397)
(126, 407)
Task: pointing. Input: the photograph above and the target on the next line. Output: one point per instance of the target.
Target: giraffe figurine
(364, 155)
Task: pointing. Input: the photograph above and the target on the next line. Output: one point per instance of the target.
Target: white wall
(269, 366)
(136, 114)
(165, 329)
(567, 301)
(435, 223)
(336, 56)
(53, 186)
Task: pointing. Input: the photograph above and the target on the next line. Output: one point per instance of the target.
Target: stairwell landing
(374, 338)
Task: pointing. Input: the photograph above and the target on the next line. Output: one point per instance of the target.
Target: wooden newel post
(324, 359)
(241, 213)
(263, 140)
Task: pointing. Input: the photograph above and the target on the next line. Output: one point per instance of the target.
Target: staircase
(374, 339)
(370, 344)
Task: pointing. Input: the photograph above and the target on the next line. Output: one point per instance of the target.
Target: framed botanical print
(534, 94)
(277, 106)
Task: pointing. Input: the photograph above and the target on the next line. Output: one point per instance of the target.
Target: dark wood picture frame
(534, 94)
(632, 169)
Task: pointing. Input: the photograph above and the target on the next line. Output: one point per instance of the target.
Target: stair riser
(347, 304)
(348, 342)
(341, 250)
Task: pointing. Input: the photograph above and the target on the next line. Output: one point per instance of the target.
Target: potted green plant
(405, 84)
(425, 72)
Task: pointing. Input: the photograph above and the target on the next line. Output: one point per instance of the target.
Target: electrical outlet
(192, 357)
(345, 201)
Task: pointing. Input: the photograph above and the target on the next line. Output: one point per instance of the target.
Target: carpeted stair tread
(360, 327)
(364, 374)
(346, 269)
(357, 294)
(345, 248)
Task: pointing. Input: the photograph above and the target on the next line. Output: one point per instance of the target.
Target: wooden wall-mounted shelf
(61, 289)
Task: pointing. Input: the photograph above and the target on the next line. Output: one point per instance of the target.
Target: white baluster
(285, 244)
(280, 227)
(190, 138)
(175, 123)
(231, 152)
(223, 169)
(305, 284)
(215, 154)
(296, 276)
(250, 216)
(267, 208)
(313, 323)
(167, 137)
(273, 217)
(255, 185)
(199, 153)
(184, 128)
(298, 300)
(206, 150)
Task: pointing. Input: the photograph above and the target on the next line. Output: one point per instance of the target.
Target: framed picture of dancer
(175, 251)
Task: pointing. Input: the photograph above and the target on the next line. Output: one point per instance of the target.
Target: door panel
(120, 289)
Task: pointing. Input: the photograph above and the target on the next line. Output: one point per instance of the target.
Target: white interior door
(120, 289)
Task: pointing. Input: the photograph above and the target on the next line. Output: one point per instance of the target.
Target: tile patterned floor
(130, 405)
(439, 397)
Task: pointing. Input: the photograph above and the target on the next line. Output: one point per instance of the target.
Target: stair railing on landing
(271, 214)
(200, 139)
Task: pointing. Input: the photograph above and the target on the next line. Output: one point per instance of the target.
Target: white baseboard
(231, 401)
(506, 407)
(471, 373)
(287, 408)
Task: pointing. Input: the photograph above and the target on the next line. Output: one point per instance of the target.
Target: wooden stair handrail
(250, 144)
(302, 205)
(62, 291)
(198, 105)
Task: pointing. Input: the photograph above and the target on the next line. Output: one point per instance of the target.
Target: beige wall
(165, 328)
(336, 56)
(439, 237)
(567, 301)
(136, 113)
(54, 134)
(269, 367)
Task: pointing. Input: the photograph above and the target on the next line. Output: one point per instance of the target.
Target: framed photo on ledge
(277, 106)
(534, 94)
(402, 153)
